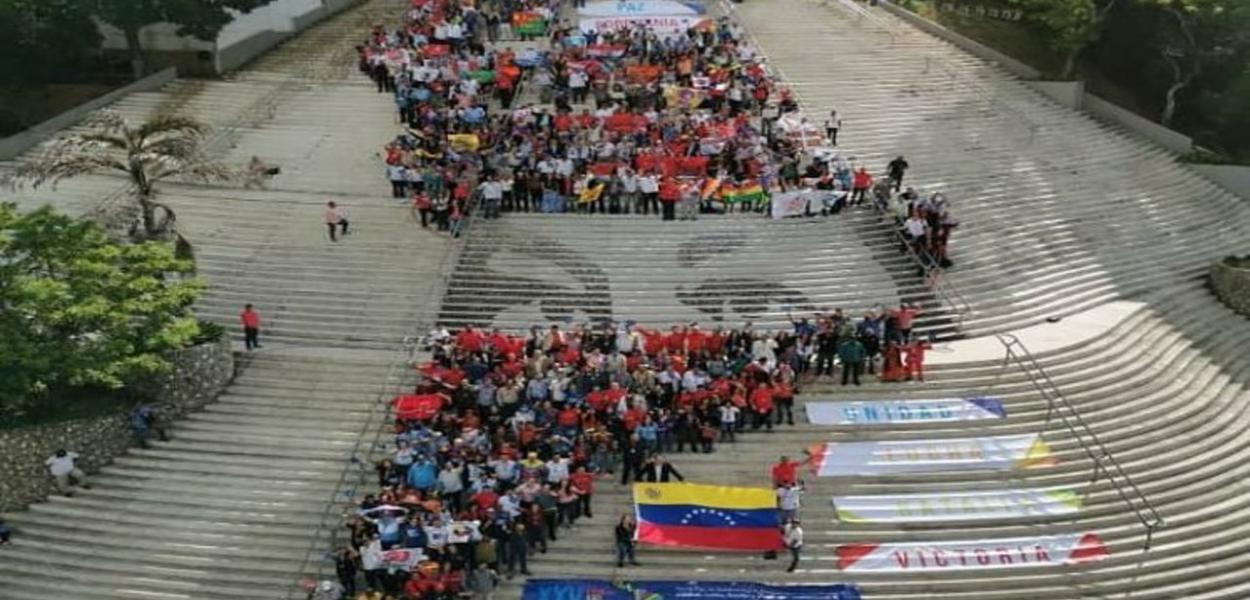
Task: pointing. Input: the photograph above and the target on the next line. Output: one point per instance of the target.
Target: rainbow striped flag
(747, 191)
(528, 23)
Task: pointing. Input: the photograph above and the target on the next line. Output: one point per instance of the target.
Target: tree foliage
(203, 19)
(79, 310)
(1073, 25)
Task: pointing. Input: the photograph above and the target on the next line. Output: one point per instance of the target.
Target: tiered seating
(1057, 218)
(233, 506)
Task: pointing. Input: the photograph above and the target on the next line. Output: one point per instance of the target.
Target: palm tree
(162, 148)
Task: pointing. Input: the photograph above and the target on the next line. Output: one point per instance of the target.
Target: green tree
(1193, 36)
(164, 147)
(40, 41)
(79, 310)
(200, 18)
(1072, 25)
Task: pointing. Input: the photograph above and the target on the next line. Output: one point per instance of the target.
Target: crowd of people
(499, 449)
(501, 446)
(621, 122)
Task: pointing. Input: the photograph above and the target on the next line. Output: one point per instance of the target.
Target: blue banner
(595, 589)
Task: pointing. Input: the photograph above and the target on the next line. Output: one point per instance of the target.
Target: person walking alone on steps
(625, 541)
(251, 327)
(335, 215)
(832, 126)
(897, 169)
(792, 536)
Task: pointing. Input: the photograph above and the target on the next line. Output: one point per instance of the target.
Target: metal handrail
(344, 490)
(933, 271)
(865, 14)
(1105, 464)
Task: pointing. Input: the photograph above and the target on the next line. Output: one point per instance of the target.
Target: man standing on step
(851, 352)
(792, 536)
(332, 216)
(897, 168)
(251, 327)
(65, 472)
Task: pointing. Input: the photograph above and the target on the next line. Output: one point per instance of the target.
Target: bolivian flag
(749, 191)
(528, 23)
(690, 515)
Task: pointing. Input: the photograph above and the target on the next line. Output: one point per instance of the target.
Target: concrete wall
(1172, 140)
(18, 143)
(1232, 286)
(972, 46)
(199, 375)
(241, 52)
(240, 41)
(1068, 93)
(1234, 178)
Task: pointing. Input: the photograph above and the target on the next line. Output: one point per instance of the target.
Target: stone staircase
(1086, 242)
(244, 498)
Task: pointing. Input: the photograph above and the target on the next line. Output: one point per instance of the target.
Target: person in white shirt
(916, 230)
(65, 472)
(728, 420)
(649, 186)
(789, 498)
(557, 471)
(792, 535)
(492, 196)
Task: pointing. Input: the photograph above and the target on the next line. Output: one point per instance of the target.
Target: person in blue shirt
(414, 533)
(423, 475)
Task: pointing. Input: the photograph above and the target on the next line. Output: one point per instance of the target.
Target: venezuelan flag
(750, 191)
(707, 516)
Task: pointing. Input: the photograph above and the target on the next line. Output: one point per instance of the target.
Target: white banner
(637, 8)
(462, 531)
(402, 558)
(1039, 551)
(1006, 452)
(800, 202)
(956, 506)
(663, 26)
(904, 411)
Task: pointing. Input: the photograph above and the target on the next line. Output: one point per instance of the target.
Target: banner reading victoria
(593, 589)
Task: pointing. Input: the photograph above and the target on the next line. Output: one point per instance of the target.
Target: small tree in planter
(164, 147)
(78, 310)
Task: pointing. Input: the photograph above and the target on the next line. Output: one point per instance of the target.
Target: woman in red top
(861, 183)
(584, 483)
(762, 407)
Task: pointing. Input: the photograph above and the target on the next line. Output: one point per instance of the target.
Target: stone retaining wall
(1231, 285)
(198, 375)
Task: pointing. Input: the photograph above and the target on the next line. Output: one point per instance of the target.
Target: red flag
(419, 407)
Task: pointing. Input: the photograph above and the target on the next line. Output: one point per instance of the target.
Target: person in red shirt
(904, 316)
(785, 473)
(584, 481)
(676, 341)
(696, 341)
(861, 182)
(762, 407)
(251, 327)
(470, 339)
(915, 359)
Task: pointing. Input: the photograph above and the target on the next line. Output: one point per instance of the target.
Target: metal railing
(931, 269)
(1105, 464)
(354, 475)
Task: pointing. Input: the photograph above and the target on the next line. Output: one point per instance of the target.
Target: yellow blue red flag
(707, 516)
